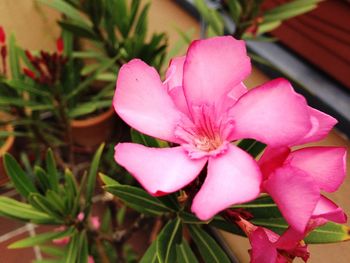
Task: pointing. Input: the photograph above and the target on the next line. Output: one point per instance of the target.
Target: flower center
(206, 134)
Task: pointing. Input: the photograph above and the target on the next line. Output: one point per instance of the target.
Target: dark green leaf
(14, 209)
(167, 240)
(40, 238)
(20, 180)
(138, 199)
(52, 171)
(91, 179)
(151, 254)
(185, 254)
(210, 250)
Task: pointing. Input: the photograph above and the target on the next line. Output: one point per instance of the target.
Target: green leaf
(146, 140)
(222, 224)
(262, 207)
(253, 147)
(78, 29)
(167, 240)
(65, 9)
(329, 233)
(21, 86)
(14, 58)
(189, 218)
(42, 178)
(73, 248)
(14, 209)
(151, 254)
(40, 239)
(52, 171)
(235, 10)
(138, 199)
(91, 180)
(20, 180)
(211, 252)
(185, 254)
(52, 251)
(289, 10)
(108, 180)
(89, 107)
(268, 26)
(43, 204)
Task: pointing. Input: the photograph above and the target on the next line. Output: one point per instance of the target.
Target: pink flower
(269, 247)
(203, 106)
(95, 222)
(91, 259)
(295, 180)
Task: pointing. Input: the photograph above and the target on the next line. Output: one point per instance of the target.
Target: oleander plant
(206, 155)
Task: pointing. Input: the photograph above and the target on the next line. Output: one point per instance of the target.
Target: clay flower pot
(6, 147)
(93, 131)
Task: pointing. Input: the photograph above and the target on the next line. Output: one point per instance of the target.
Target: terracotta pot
(95, 130)
(6, 147)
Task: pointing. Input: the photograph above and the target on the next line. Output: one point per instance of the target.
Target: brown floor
(35, 28)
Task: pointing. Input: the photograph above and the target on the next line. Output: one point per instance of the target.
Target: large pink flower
(203, 106)
(295, 179)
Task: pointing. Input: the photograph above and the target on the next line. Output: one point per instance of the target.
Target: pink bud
(81, 216)
(91, 259)
(60, 45)
(2, 35)
(29, 73)
(95, 222)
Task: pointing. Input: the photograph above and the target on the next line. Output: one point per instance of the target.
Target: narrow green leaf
(151, 254)
(329, 233)
(52, 170)
(14, 58)
(20, 180)
(185, 254)
(283, 15)
(138, 199)
(42, 178)
(211, 252)
(78, 29)
(146, 140)
(52, 251)
(21, 86)
(40, 239)
(15, 209)
(108, 181)
(73, 248)
(167, 240)
(65, 8)
(91, 179)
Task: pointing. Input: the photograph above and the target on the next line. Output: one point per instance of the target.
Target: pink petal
(328, 210)
(233, 177)
(142, 101)
(325, 164)
(321, 123)
(232, 97)
(272, 159)
(174, 74)
(272, 113)
(178, 97)
(263, 251)
(295, 193)
(213, 67)
(158, 170)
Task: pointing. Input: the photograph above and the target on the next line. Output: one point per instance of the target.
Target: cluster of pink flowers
(203, 106)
